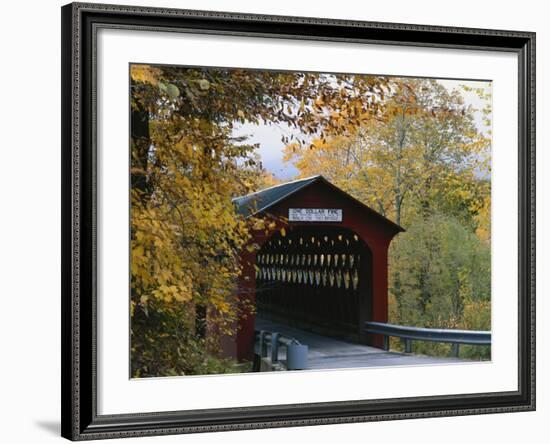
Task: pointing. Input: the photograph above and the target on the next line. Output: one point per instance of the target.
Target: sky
(271, 147)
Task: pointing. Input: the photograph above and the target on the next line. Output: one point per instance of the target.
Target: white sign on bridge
(314, 215)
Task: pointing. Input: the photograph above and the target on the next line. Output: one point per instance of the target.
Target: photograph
(305, 221)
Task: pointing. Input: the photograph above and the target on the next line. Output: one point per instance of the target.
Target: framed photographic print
(280, 221)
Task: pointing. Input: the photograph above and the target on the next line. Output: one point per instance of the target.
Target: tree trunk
(140, 150)
(200, 321)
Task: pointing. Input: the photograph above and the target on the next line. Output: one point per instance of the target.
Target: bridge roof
(261, 200)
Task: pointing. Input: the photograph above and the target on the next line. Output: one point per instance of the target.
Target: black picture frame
(80, 420)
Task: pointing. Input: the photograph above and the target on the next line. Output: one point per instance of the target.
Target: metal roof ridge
(276, 186)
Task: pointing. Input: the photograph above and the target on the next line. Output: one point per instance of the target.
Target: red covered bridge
(325, 272)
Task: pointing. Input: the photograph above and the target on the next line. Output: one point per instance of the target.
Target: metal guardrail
(408, 334)
(296, 353)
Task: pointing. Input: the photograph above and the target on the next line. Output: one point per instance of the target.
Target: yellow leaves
(145, 74)
(251, 248)
(223, 307)
(292, 152)
(266, 180)
(204, 84)
(138, 251)
(169, 293)
(186, 236)
(283, 232)
(258, 224)
(483, 219)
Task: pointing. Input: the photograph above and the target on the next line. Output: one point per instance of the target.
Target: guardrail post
(263, 344)
(274, 347)
(455, 349)
(408, 345)
(386, 342)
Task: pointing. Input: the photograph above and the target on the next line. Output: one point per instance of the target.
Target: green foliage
(440, 277)
(164, 342)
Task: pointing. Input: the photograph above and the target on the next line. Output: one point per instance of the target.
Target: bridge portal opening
(316, 278)
(321, 267)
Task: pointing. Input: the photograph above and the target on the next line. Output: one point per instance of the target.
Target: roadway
(329, 353)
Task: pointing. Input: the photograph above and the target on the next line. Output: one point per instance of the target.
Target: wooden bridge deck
(330, 353)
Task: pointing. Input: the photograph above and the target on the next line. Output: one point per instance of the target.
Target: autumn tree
(423, 149)
(186, 166)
